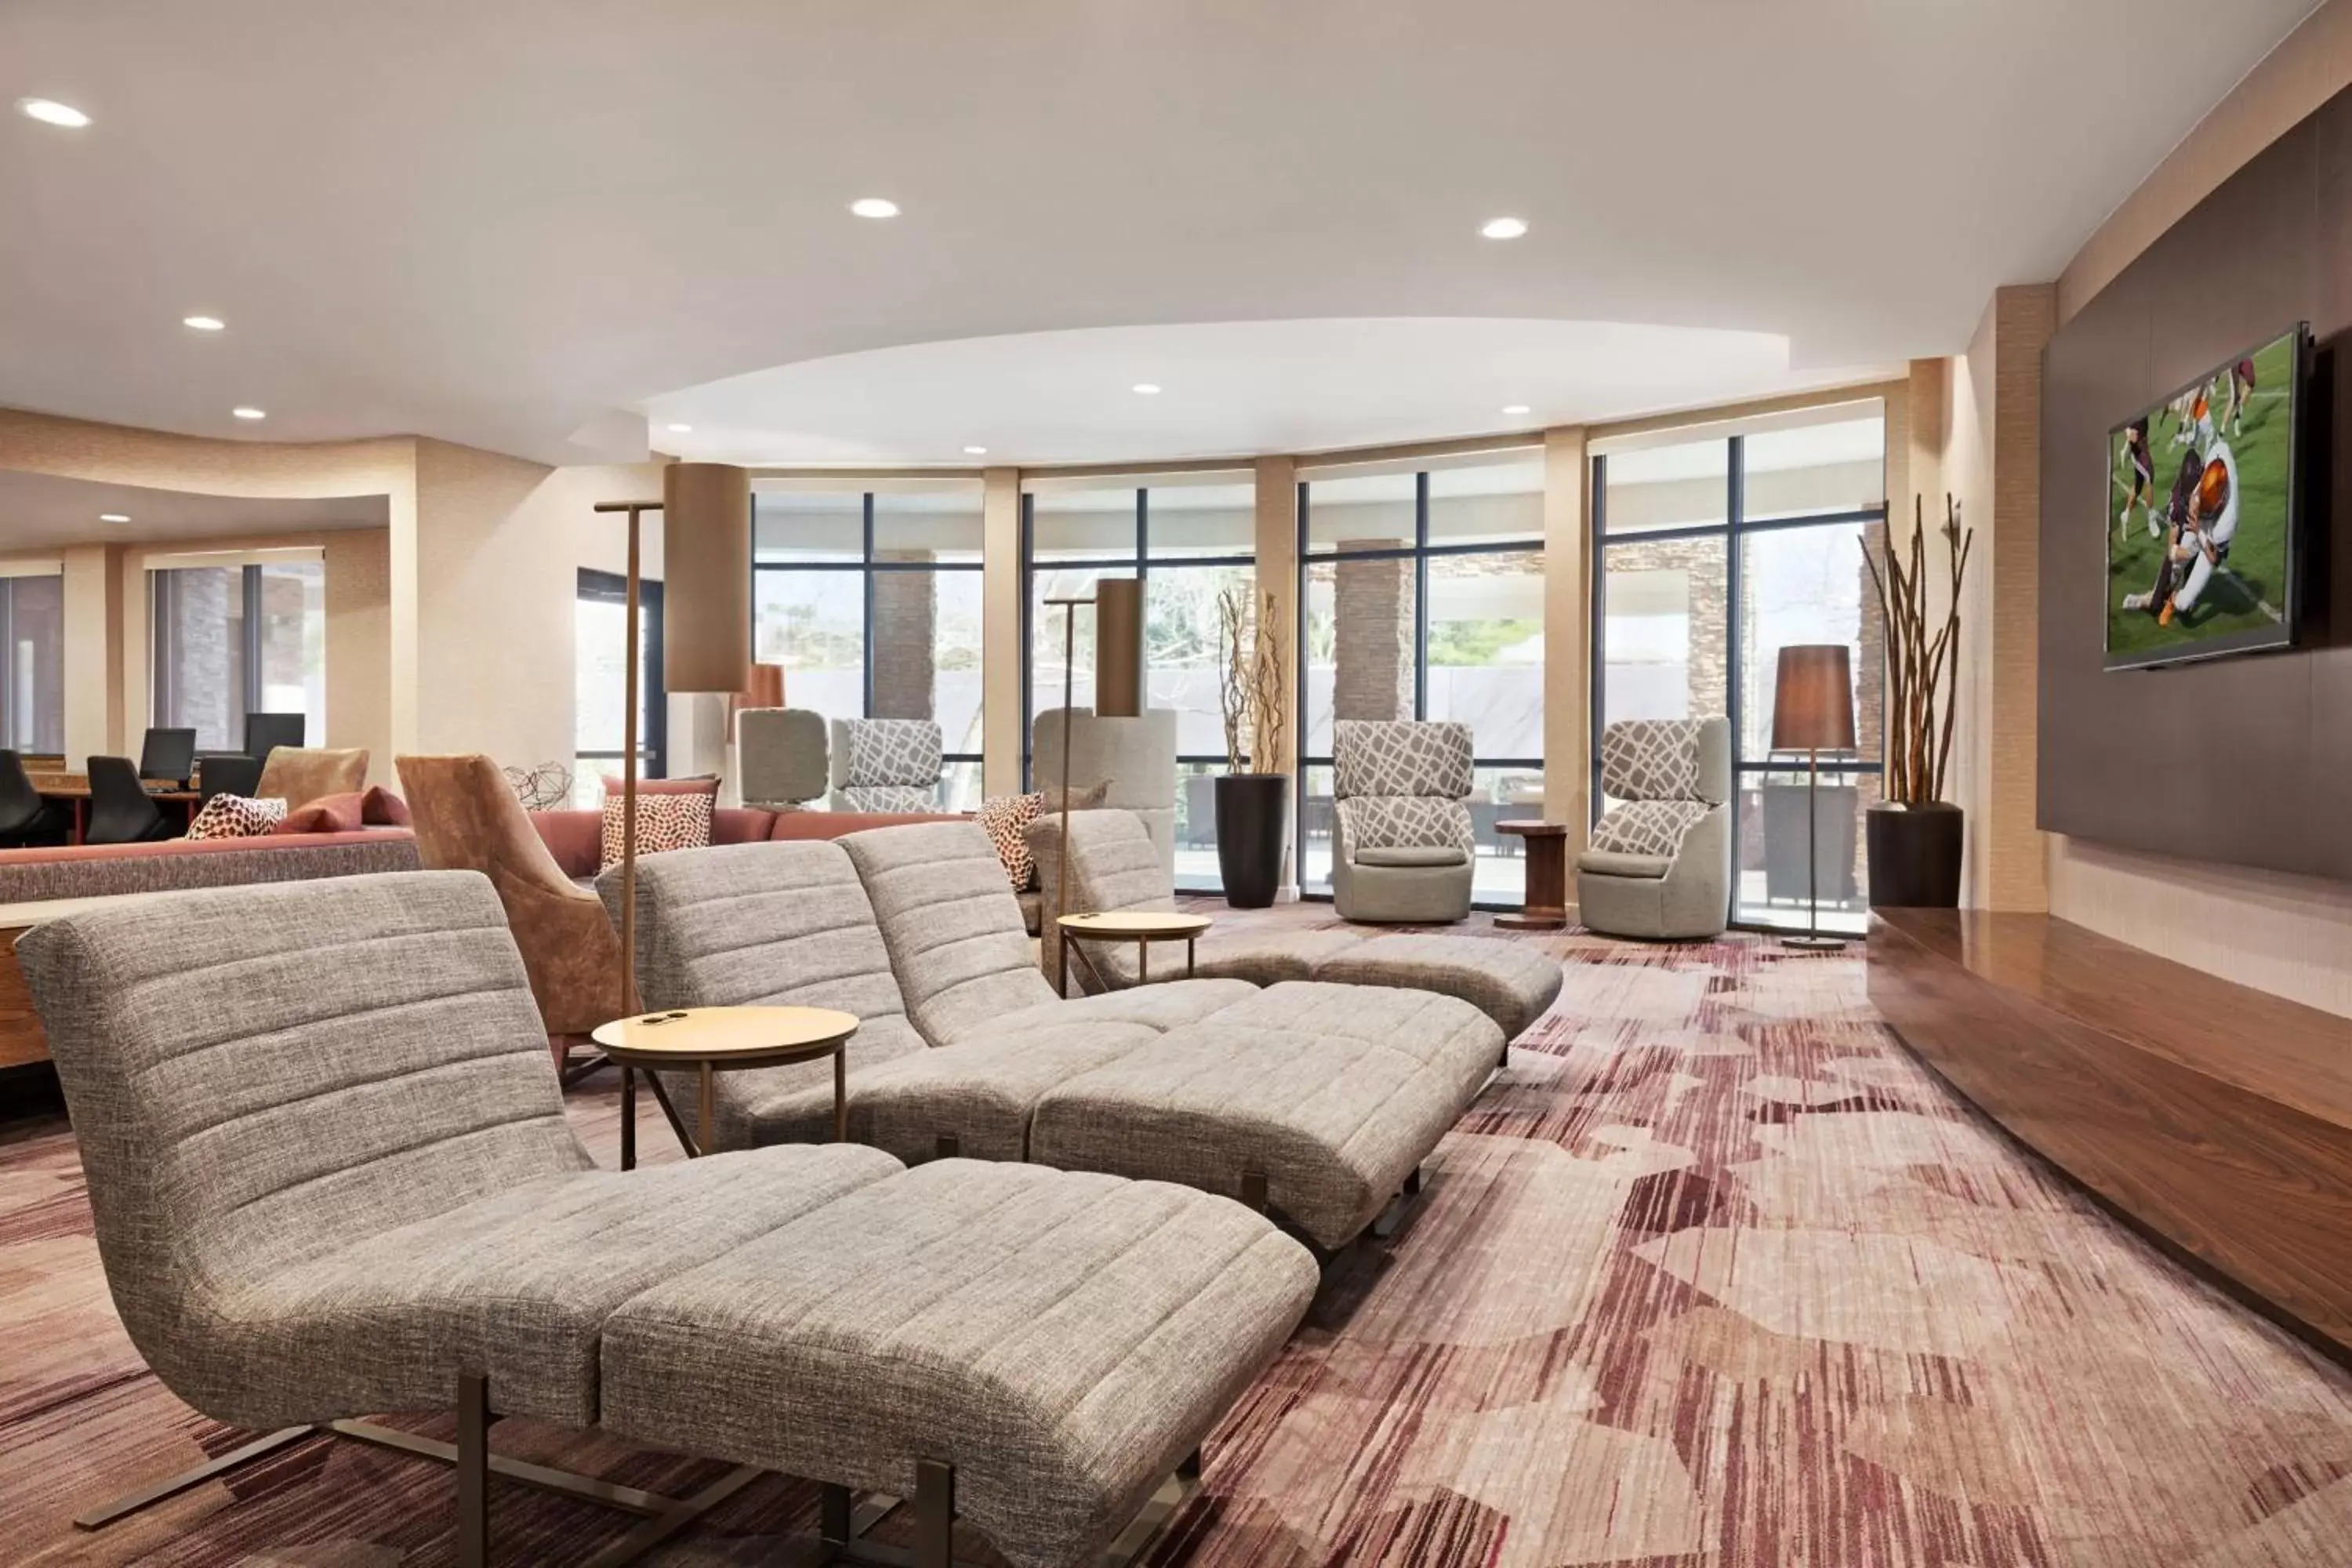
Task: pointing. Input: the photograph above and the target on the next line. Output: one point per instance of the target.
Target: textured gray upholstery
(1112, 868)
(1681, 771)
(1334, 1093)
(766, 924)
(327, 1155)
(1064, 1341)
(953, 931)
(1135, 757)
(1510, 984)
(780, 755)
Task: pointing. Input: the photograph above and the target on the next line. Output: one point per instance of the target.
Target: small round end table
(713, 1041)
(1142, 927)
(1545, 908)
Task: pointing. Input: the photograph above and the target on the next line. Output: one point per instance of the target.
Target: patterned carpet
(1714, 1276)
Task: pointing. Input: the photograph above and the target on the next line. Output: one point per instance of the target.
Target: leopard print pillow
(665, 822)
(1006, 821)
(237, 816)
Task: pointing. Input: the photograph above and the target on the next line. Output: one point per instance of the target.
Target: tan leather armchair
(466, 818)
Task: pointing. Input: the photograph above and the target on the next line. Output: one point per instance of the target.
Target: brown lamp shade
(706, 576)
(1119, 648)
(763, 686)
(1812, 701)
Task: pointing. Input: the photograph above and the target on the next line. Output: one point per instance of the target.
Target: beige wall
(2290, 935)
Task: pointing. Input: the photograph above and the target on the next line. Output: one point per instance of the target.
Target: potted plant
(1914, 834)
(1253, 800)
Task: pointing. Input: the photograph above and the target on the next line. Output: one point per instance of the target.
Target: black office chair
(226, 773)
(264, 732)
(168, 754)
(25, 818)
(121, 809)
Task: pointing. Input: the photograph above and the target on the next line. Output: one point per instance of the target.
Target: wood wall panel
(2217, 1115)
(21, 1039)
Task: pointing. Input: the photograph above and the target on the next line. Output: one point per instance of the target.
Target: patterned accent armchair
(886, 765)
(1403, 847)
(1660, 862)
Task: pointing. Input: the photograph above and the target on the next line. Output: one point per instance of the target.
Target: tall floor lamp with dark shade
(1813, 712)
(706, 629)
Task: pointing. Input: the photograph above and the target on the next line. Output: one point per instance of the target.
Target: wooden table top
(76, 786)
(1528, 827)
(741, 1034)
(1136, 925)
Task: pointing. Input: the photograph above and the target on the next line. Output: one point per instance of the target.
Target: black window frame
(652, 736)
(1421, 551)
(1734, 530)
(162, 680)
(865, 566)
(1140, 563)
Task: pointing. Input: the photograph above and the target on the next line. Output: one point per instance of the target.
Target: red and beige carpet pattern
(1714, 1275)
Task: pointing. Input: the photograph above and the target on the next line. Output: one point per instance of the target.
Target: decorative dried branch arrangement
(1249, 688)
(1922, 672)
(542, 788)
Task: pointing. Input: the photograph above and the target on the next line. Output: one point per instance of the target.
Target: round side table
(1142, 927)
(1545, 908)
(713, 1041)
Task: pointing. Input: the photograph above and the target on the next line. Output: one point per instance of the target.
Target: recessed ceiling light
(204, 324)
(1148, 388)
(249, 413)
(1503, 227)
(113, 517)
(1516, 408)
(49, 111)
(975, 451)
(681, 429)
(875, 206)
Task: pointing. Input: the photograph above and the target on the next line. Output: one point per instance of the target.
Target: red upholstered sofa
(576, 838)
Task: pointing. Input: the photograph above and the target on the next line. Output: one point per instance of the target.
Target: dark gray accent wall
(2245, 761)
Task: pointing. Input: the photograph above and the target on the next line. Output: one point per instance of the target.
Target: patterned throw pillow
(237, 817)
(1006, 821)
(664, 821)
(1648, 827)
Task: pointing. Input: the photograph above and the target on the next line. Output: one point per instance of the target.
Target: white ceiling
(40, 512)
(499, 223)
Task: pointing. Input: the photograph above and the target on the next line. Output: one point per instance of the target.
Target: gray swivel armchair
(1660, 861)
(781, 757)
(887, 764)
(1402, 848)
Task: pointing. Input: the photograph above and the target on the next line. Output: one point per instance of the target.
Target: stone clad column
(903, 660)
(1373, 620)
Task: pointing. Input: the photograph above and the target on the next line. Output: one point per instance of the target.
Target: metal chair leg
(105, 1513)
(834, 1514)
(934, 1514)
(473, 1470)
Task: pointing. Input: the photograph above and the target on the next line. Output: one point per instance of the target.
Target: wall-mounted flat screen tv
(2202, 503)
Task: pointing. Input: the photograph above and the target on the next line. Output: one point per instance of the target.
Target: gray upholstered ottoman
(1029, 1351)
(1507, 981)
(1316, 1101)
(975, 1099)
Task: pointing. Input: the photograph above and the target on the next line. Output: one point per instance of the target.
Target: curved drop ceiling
(497, 224)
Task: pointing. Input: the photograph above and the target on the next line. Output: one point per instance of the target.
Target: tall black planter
(1253, 820)
(1915, 855)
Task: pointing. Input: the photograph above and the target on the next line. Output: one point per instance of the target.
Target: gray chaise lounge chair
(1299, 1107)
(332, 1175)
(1113, 866)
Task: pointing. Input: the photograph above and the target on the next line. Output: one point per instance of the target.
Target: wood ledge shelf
(2216, 1115)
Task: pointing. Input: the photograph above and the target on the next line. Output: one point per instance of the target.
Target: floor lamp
(1813, 712)
(706, 629)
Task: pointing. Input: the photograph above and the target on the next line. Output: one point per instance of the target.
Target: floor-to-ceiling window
(238, 634)
(869, 598)
(600, 683)
(1715, 551)
(1421, 588)
(32, 662)
(1190, 538)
